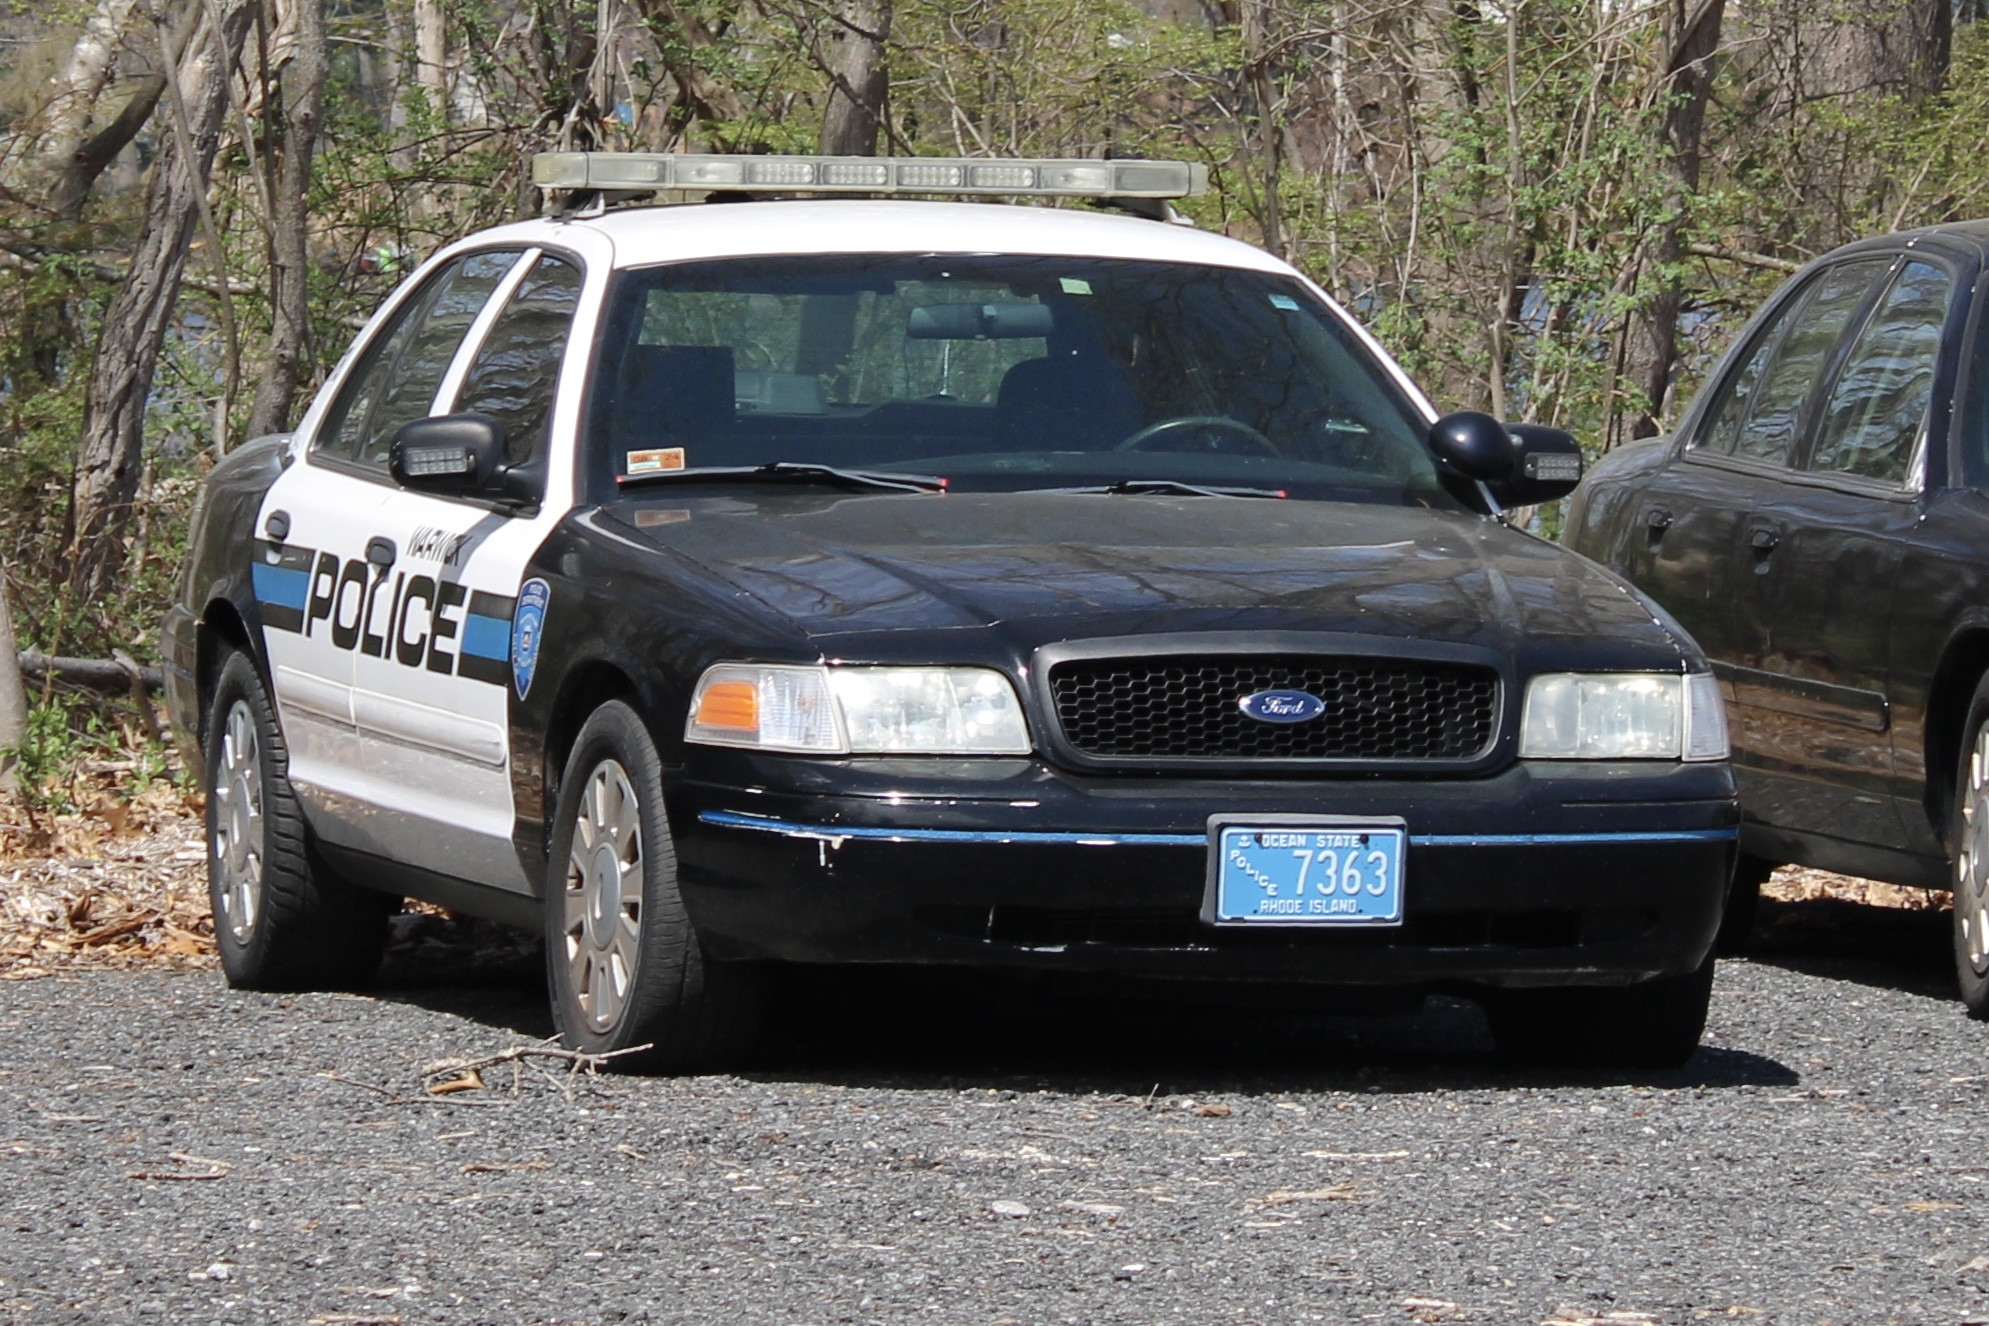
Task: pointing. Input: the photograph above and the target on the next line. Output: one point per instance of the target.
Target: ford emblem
(1282, 706)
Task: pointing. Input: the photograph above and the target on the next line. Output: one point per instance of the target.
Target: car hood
(850, 572)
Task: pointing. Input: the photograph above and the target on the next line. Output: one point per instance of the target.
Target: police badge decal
(527, 624)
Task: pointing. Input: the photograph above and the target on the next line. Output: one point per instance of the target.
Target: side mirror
(1522, 464)
(458, 455)
(1474, 445)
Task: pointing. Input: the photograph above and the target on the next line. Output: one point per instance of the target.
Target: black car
(909, 582)
(1819, 524)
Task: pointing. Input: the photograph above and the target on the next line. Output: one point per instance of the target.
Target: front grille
(1186, 708)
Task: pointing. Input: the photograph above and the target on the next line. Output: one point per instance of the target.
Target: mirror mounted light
(1547, 465)
(460, 455)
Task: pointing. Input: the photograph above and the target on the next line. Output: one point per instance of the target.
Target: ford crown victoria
(880, 580)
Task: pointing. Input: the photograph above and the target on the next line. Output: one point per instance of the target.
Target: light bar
(667, 171)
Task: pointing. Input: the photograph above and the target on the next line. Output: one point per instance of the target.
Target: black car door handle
(277, 527)
(380, 551)
(1763, 539)
(1657, 519)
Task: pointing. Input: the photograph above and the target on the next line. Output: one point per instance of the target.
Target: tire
(1653, 1024)
(625, 966)
(282, 919)
(1743, 904)
(1969, 832)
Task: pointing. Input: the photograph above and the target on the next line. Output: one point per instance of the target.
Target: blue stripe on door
(280, 585)
(486, 637)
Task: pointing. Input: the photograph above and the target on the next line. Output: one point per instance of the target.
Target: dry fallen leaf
(1933, 1206)
(1213, 1111)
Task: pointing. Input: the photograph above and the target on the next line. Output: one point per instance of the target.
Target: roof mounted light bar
(646, 172)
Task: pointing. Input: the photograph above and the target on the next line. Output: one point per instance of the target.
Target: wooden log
(97, 674)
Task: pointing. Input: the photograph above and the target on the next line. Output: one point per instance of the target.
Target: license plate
(1309, 871)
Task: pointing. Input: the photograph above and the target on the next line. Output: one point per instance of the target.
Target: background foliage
(1559, 210)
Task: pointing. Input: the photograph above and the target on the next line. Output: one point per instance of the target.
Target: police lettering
(412, 622)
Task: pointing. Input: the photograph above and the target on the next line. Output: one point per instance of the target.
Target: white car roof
(686, 232)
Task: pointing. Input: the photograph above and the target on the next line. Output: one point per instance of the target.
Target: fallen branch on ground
(99, 674)
(575, 1060)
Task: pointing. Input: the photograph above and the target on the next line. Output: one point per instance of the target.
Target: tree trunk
(92, 64)
(853, 52)
(431, 55)
(1692, 37)
(13, 695)
(292, 115)
(135, 324)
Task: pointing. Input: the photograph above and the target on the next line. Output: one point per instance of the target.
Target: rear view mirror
(979, 322)
(459, 455)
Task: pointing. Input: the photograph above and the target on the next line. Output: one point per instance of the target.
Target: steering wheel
(1214, 422)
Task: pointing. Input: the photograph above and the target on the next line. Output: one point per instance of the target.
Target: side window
(1815, 326)
(1880, 402)
(516, 370)
(395, 382)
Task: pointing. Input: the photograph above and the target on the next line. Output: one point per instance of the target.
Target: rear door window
(1878, 407)
(1761, 405)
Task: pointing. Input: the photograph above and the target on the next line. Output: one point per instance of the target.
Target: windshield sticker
(649, 516)
(527, 629)
(649, 462)
(1074, 285)
(1284, 302)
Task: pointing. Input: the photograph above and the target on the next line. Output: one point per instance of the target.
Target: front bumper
(1544, 873)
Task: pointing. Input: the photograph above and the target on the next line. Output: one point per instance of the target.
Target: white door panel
(312, 590)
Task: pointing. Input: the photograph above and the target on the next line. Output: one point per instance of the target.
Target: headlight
(858, 711)
(1623, 716)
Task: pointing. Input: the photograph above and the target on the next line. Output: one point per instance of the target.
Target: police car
(783, 577)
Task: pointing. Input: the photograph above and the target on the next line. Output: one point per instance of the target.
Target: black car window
(396, 379)
(1812, 329)
(1000, 372)
(1880, 401)
(516, 369)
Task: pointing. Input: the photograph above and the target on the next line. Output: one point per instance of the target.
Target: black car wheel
(1743, 903)
(282, 919)
(626, 966)
(1653, 1024)
(1970, 836)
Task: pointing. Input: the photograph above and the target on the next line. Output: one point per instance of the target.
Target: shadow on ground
(1890, 948)
(944, 1029)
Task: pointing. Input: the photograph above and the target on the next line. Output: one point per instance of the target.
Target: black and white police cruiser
(897, 580)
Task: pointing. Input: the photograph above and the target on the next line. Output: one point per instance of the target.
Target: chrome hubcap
(237, 794)
(602, 917)
(1971, 858)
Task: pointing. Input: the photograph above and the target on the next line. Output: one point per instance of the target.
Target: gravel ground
(985, 1151)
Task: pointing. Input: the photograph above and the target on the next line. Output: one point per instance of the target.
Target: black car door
(1736, 462)
(1829, 547)
(1687, 543)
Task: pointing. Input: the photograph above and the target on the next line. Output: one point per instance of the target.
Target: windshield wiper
(1171, 488)
(789, 471)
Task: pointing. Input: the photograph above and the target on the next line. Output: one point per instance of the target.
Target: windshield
(999, 373)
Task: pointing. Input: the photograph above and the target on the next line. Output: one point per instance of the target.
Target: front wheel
(1653, 1024)
(1969, 832)
(626, 967)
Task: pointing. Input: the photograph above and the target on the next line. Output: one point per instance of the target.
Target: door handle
(380, 551)
(277, 527)
(1763, 539)
(1656, 521)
